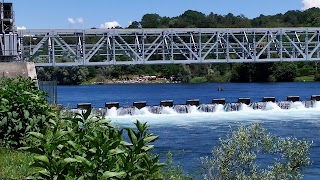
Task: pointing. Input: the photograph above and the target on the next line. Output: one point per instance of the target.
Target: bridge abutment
(15, 69)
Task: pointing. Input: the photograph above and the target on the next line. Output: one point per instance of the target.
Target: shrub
(198, 80)
(236, 158)
(174, 172)
(317, 76)
(23, 109)
(91, 148)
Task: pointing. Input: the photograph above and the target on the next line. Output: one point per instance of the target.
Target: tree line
(242, 72)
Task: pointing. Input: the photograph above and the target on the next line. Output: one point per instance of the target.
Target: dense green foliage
(242, 72)
(62, 146)
(23, 109)
(194, 19)
(238, 156)
(213, 73)
(198, 80)
(91, 148)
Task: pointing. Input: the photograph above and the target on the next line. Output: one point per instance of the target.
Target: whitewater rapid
(272, 112)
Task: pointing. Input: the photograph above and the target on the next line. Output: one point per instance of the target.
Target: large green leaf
(71, 160)
(37, 135)
(42, 158)
(45, 173)
(115, 151)
(83, 160)
(73, 144)
(150, 139)
(60, 134)
(3, 121)
(109, 174)
(147, 148)
(26, 114)
(52, 122)
(32, 150)
(141, 127)
(86, 114)
(132, 136)
(124, 143)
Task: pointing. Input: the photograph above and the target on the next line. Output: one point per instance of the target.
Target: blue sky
(66, 14)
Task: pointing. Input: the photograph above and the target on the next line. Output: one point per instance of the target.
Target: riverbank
(94, 81)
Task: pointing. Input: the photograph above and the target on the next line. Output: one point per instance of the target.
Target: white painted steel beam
(102, 47)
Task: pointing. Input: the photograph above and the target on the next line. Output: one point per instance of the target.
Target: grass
(14, 164)
(309, 78)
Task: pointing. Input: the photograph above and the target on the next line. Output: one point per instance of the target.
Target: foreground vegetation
(15, 164)
(60, 146)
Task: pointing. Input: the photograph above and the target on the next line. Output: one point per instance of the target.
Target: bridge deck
(94, 47)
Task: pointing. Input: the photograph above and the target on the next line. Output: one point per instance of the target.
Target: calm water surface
(194, 134)
(125, 94)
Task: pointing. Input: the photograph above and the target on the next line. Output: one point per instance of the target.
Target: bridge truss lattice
(95, 47)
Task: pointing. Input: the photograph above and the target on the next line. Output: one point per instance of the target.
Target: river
(192, 135)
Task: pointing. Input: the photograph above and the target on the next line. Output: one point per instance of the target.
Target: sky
(76, 14)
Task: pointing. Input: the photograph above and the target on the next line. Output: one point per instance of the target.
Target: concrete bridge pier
(16, 69)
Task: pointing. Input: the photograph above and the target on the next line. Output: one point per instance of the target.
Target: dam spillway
(203, 108)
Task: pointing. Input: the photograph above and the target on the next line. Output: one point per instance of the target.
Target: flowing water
(192, 131)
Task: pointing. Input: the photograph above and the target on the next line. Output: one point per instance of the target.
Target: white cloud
(21, 28)
(71, 20)
(78, 20)
(109, 25)
(310, 3)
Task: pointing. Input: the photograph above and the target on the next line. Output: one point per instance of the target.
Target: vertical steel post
(142, 48)
(108, 44)
(228, 55)
(254, 46)
(163, 45)
(114, 48)
(84, 48)
(217, 46)
(306, 51)
(281, 45)
(268, 48)
(171, 45)
(53, 49)
(200, 46)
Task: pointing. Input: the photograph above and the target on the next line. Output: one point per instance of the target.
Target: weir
(203, 108)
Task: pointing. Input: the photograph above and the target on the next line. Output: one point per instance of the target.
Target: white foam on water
(194, 110)
(191, 118)
(142, 111)
(113, 112)
(168, 110)
(272, 106)
(297, 105)
(219, 108)
(246, 108)
(316, 105)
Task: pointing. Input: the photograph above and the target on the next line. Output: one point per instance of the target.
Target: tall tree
(151, 21)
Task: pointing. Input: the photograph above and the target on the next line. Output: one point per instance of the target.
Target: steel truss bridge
(97, 47)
